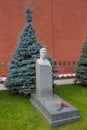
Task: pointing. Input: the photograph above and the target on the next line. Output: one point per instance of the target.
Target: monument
(54, 109)
(43, 75)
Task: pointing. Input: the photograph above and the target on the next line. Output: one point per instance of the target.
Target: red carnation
(62, 105)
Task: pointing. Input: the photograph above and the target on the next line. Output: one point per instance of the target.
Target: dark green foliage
(22, 77)
(81, 68)
(28, 13)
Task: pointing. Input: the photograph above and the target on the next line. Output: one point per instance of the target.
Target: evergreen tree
(81, 68)
(22, 73)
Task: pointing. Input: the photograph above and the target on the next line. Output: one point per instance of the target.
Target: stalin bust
(43, 60)
(43, 75)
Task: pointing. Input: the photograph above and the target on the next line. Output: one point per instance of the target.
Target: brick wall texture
(61, 25)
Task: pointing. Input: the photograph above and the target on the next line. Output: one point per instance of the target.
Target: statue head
(43, 53)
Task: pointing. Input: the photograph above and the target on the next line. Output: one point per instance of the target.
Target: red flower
(64, 104)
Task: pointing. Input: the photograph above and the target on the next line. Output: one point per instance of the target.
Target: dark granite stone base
(48, 106)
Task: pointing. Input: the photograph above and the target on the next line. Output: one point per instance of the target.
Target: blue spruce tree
(81, 68)
(22, 72)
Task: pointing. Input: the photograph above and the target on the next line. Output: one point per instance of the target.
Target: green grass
(17, 113)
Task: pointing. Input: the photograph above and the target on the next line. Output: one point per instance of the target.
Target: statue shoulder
(38, 60)
(43, 62)
(47, 62)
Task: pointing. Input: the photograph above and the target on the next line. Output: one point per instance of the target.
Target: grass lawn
(17, 113)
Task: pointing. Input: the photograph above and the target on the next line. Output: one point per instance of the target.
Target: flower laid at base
(62, 105)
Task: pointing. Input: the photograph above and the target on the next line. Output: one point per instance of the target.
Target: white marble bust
(43, 75)
(43, 60)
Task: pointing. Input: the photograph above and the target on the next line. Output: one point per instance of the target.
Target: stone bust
(43, 60)
(43, 75)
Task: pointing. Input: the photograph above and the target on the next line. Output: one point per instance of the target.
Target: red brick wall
(60, 25)
(11, 23)
(70, 25)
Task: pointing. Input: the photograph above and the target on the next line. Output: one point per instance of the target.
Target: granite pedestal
(48, 107)
(43, 79)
